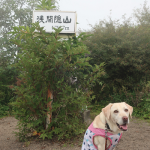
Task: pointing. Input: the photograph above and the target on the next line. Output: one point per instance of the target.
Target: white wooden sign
(50, 19)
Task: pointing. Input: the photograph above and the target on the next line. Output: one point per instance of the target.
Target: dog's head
(118, 114)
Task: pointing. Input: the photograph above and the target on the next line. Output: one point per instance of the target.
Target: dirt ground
(136, 138)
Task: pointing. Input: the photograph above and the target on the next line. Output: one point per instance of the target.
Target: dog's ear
(130, 109)
(106, 110)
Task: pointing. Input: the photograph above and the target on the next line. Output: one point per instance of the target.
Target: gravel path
(136, 138)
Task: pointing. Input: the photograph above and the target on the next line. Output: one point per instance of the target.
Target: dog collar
(107, 127)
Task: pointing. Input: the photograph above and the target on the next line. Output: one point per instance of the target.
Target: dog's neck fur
(100, 121)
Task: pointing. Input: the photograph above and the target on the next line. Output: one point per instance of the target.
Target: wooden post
(49, 106)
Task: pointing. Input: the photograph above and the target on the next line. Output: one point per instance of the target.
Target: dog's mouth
(122, 127)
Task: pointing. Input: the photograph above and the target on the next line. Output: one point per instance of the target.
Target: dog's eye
(126, 110)
(116, 111)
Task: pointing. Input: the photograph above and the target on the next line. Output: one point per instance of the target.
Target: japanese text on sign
(54, 19)
(50, 20)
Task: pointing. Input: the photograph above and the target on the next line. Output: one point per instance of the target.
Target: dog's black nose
(125, 119)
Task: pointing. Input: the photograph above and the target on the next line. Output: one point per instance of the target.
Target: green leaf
(43, 136)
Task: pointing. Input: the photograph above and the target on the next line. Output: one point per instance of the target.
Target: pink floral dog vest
(91, 132)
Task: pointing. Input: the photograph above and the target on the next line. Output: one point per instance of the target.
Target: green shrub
(139, 99)
(46, 62)
(8, 77)
(4, 110)
(146, 102)
(125, 48)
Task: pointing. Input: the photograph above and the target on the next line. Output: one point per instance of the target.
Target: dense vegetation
(45, 64)
(125, 48)
(46, 67)
(26, 76)
(13, 13)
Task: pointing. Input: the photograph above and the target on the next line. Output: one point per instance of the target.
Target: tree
(15, 13)
(125, 50)
(142, 15)
(46, 62)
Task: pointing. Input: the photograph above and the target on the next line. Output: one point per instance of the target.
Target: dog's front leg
(100, 142)
(101, 147)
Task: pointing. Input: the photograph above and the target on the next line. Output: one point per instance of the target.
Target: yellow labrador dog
(110, 124)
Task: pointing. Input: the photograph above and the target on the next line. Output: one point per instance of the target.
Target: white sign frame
(69, 23)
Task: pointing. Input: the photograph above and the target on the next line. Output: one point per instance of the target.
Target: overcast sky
(91, 11)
